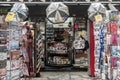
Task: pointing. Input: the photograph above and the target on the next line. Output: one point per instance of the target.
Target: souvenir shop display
(4, 54)
(14, 61)
(26, 48)
(112, 56)
(39, 48)
(97, 14)
(106, 39)
(18, 12)
(4, 35)
(14, 52)
(80, 43)
(112, 7)
(58, 45)
(95, 9)
(30, 47)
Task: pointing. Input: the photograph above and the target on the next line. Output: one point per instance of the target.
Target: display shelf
(56, 52)
(4, 52)
(59, 65)
(80, 66)
(80, 33)
(62, 27)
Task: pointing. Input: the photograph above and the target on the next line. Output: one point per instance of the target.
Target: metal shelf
(59, 65)
(71, 3)
(58, 54)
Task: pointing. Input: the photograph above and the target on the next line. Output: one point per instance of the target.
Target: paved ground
(64, 76)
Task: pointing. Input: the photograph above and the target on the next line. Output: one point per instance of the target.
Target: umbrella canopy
(95, 9)
(57, 12)
(112, 7)
(20, 9)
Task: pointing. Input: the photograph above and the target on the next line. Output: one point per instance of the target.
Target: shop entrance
(74, 29)
(65, 35)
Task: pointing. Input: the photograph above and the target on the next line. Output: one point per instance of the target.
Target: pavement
(63, 76)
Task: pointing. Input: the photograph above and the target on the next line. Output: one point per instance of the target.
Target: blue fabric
(101, 44)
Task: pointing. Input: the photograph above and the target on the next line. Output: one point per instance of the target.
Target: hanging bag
(81, 44)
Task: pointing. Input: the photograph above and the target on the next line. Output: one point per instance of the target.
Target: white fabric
(57, 6)
(24, 31)
(1, 19)
(79, 44)
(96, 8)
(58, 17)
(112, 7)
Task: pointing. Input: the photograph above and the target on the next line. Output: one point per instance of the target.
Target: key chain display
(106, 39)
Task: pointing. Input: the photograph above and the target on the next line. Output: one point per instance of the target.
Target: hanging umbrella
(112, 7)
(57, 12)
(95, 9)
(20, 9)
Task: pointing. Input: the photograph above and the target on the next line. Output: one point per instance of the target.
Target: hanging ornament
(19, 11)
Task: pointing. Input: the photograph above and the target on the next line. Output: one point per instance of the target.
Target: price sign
(98, 18)
(9, 17)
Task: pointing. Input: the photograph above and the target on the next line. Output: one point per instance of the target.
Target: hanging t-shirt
(113, 27)
(114, 39)
(24, 31)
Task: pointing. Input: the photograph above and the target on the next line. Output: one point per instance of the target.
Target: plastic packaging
(95, 9)
(21, 10)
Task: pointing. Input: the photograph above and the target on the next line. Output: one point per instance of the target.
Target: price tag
(98, 17)
(9, 17)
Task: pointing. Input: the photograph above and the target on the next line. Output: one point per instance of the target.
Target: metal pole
(72, 3)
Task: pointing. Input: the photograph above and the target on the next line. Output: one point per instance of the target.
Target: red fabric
(92, 69)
